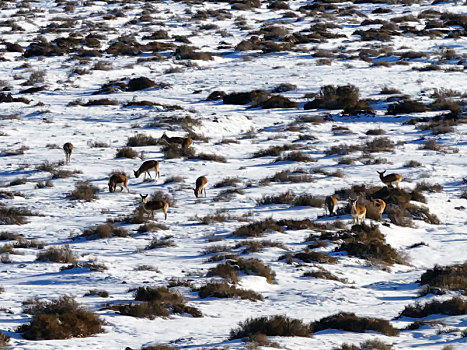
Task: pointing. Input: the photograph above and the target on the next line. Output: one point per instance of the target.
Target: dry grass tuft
(278, 325)
(224, 290)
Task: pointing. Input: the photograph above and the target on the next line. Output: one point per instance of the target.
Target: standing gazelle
(152, 206)
(200, 185)
(390, 179)
(185, 142)
(358, 212)
(330, 205)
(118, 180)
(380, 205)
(146, 167)
(67, 148)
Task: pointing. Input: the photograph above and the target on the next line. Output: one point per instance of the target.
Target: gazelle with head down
(68, 148)
(152, 206)
(201, 183)
(146, 167)
(358, 212)
(390, 179)
(330, 205)
(119, 180)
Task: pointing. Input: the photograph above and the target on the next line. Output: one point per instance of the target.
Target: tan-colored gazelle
(330, 204)
(146, 167)
(380, 205)
(152, 206)
(185, 142)
(358, 212)
(118, 180)
(67, 148)
(390, 179)
(200, 186)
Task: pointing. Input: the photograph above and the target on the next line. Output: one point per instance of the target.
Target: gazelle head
(144, 198)
(136, 173)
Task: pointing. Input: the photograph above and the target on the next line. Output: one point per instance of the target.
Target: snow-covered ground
(50, 120)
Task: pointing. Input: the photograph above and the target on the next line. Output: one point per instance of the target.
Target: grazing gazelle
(185, 142)
(358, 212)
(146, 167)
(200, 185)
(330, 204)
(390, 179)
(67, 148)
(152, 206)
(118, 180)
(381, 205)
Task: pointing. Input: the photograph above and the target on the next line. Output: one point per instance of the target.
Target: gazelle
(200, 185)
(358, 212)
(185, 142)
(390, 179)
(67, 148)
(330, 204)
(152, 206)
(146, 167)
(118, 180)
(381, 205)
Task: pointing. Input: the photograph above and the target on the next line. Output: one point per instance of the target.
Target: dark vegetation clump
(309, 256)
(324, 274)
(14, 215)
(289, 176)
(353, 323)
(257, 229)
(186, 52)
(407, 106)
(441, 279)
(84, 191)
(160, 243)
(278, 325)
(254, 97)
(367, 242)
(59, 319)
(224, 290)
(452, 307)
(107, 230)
(172, 151)
(252, 246)
(289, 197)
(156, 302)
(277, 101)
(60, 254)
(341, 97)
(140, 83)
(126, 152)
(295, 156)
(4, 340)
(141, 140)
(97, 292)
(372, 344)
(229, 269)
(274, 150)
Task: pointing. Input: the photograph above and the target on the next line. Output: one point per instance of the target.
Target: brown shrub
(84, 191)
(141, 140)
(4, 340)
(126, 152)
(157, 302)
(255, 97)
(151, 227)
(277, 325)
(453, 306)
(309, 256)
(288, 176)
(277, 101)
(229, 270)
(372, 344)
(258, 246)
(224, 290)
(160, 243)
(207, 156)
(295, 156)
(102, 102)
(324, 274)
(341, 97)
(174, 151)
(274, 151)
(104, 231)
(140, 83)
(97, 292)
(407, 106)
(281, 198)
(61, 255)
(257, 229)
(352, 323)
(440, 279)
(14, 215)
(379, 144)
(308, 200)
(185, 52)
(59, 319)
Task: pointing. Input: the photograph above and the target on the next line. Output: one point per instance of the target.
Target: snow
(371, 291)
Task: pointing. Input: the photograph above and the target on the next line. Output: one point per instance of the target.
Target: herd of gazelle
(359, 211)
(121, 180)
